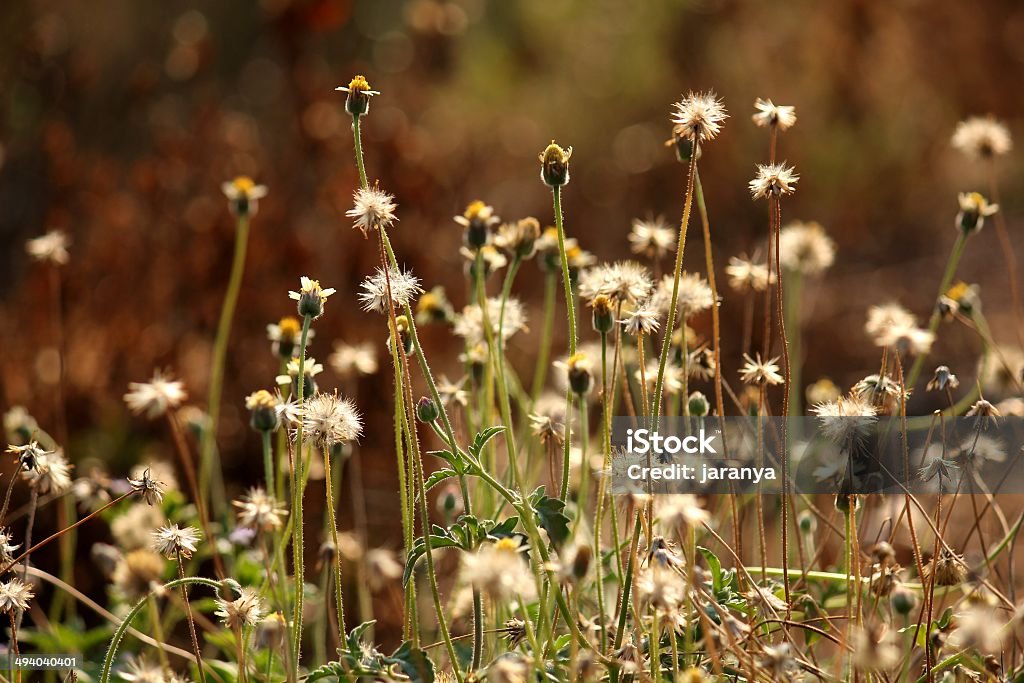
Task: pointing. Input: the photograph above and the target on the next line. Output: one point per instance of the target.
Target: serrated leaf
(550, 515)
(504, 529)
(413, 662)
(438, 476)
(355, 637)
(481, 439)
(419, 549)
(326, 671)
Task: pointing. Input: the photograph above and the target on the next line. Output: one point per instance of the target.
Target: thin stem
(339, 600)
(540, 373)
(191, 621)
(298, 480)
(358, 143)
(785, 398)
(268, 462)
(208, 444)
(556, 193)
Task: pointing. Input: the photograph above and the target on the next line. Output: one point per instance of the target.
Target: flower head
(622, 282)
(50, 474)
(773, 180)
(311, 297)
(747, 276)
(470, 323)
(761, 372)
(286, 335)
(554, 165)
(359, 93)
(243, 195)
(805, 248)
(152, 491)
(51, 247)
(519, 238)
(693, 297)
(310, 369)
(259, 511)
(352, 360)
(654, 238)
(155, 397)
(7, 548)
(769, 114)
(500, 570)
(698, 117)
(264, 410)
(329, 419)
(173, 540)
(246, 610)
(15, 596)
(372, 209)
(404, 288)
(641, 320)
(845, 419)
(974, 209)
(982, 137)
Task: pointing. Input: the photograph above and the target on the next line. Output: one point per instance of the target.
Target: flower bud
(554, 165)
(974, 208)
(581, 562)
(243, 195)
(698, 404)
(604, 318)
(808, 522)
(404, 337)
(426, 410)
(359, 93)
(263, 416)
(903, 600)
(580, 377)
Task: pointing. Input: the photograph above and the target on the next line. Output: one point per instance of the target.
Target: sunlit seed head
(373, 209)
(154, 398)
(246, 610)
(403, 286)
(698, 117)
(769, 114)
(760, 372)
(982, 137)
(773, 181)
(805, 248)
(173, 541)
(15, 596)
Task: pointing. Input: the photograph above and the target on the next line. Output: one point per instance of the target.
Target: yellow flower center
(358, 83)
(958, 291)
(290, 327)
(509, 545)
(474, 209)
(243, 184)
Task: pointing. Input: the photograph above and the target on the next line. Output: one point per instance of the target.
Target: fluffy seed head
(246, 610)
(982, 137)
(404, 288)
(15, 596)
(173, 540)
(698, 117)
(769, 114)
(805, 248)
(372, 209)
(773, 180)
(329, 419)
(154, 398)
(51, 247)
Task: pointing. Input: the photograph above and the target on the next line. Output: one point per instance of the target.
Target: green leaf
(413, 662)
(419, 549)
(482, 438)
(355, 637)
(550, 515)
(505, 528)
(331, 669)
(437, 476)
(715, 565)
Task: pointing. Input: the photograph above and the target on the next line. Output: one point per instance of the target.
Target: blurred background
(119, 121)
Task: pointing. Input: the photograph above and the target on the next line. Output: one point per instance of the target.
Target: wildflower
(310, 369)
(152, 491)
(682, 511)
(477, 219)
(881, 319)
(264, 415)
(698, 117)
(982, 137)
(622, 282)
(698, 404)
(846, 419)
(382, 568)
(272, 631)
(880, 391)
(768, 114)
(452, 393)
(243, 195)
(405, 340)
(259, 511)
(500, 570)
(747, 276)
(404, 288)
(547, 422)
(352, 360)
(653, 238)
(761, 372)
(372, 209)
(509, 668)
(943, 380)
(519, 238)
(285, 337)
(978, 628)
(19, 425)
(700, 363)
(137, 573)
(578, 370)
(978, 449)
(906, 339)
(470, 323)
(50, 474)
(358, 101)
(984, 410)
(15, 596)
(514, 632)
(329, 420)
(778, 662)
(672, 382)
(173, 540)
(974, 209)
(773, 180)
(693, 297)
(51, 247)
(805, 248)
(554, 165)
(937, 467)
(155, 397)
(822, 391)
(947, 569)
(28, 454)
(311, 297)
(903, 600)
(434, 307)
(6, 547)
(246, 610)
(603, 317)
(641, 320)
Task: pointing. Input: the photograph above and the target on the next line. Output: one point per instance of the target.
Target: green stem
(674, 301)
(208, 444)
(556, 193)
(339, 601)
(358, 141)
(298, 489)
(791, 315)
(268, 463)
(122, 629)
(936, 318)
(540, 373)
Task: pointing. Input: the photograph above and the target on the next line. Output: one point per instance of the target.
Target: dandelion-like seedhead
(500, 570)
(259, 511)
(641, 320)
(768, 114)
(622, 282)
(246, 610)
(50, 248)
(694, 295)
(15, 596)
(760, 372)
(173, 540)
(846, 420)
(7, 547)
(470, 323)
(773, 181)
(328, 420)
(357, 103)
(151, 491)
(698, 117)
(982, 137)
(404, 288)
(373, 209)
(155, 397)
(350, 361)
(243, 195)
(653, 238)
(311, 297)
(50, 474)
(747, 276)
(805, 248)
